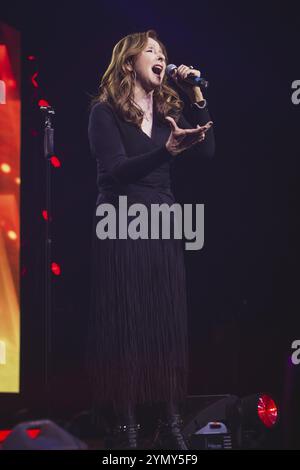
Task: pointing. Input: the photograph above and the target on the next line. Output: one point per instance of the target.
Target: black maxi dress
(137, 346)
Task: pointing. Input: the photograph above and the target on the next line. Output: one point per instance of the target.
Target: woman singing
(138, 330)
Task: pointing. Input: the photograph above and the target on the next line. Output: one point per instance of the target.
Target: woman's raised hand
(182, 139)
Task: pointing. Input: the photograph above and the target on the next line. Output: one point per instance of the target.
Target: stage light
(267, 411)
(6, 168)
(4, 433)
(12, 235)
(33, 433)
(55, 161)
(17, 180)
(40, 435)
(259, 410)
(259, 419)
(43, 102)
(55, 268)
(45, 214)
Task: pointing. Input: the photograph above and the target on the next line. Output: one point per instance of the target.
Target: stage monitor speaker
(49, 437)
(203, 411)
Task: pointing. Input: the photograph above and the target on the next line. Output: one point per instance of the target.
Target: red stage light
(55, 161)
(31, 57)
(267, 410)
(32, 433)
(4, 433)
(45, 214)
(55, 268)
(43, 103)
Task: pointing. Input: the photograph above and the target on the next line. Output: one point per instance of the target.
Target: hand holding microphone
(186, 77)
(189, 80)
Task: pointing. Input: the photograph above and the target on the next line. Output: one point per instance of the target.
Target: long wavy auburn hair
(117, 83)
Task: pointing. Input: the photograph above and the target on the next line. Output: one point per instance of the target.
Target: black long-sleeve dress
(137, 348)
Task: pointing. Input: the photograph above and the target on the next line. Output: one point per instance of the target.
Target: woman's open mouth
(157, 70)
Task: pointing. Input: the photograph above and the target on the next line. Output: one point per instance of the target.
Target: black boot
(125, 434)
(168, 435)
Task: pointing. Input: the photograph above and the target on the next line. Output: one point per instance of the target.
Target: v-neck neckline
(148, 136)
(153, 126)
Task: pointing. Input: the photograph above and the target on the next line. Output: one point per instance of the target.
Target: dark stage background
(243, 285)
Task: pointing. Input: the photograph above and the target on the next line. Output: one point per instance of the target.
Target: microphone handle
(197, 81)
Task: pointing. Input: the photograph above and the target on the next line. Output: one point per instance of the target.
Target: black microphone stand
(48, 153)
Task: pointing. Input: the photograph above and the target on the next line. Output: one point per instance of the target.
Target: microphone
(191, 79)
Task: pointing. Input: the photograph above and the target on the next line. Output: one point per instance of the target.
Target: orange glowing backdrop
(10, 142)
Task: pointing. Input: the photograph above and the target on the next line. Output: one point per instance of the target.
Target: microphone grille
(170, 69)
